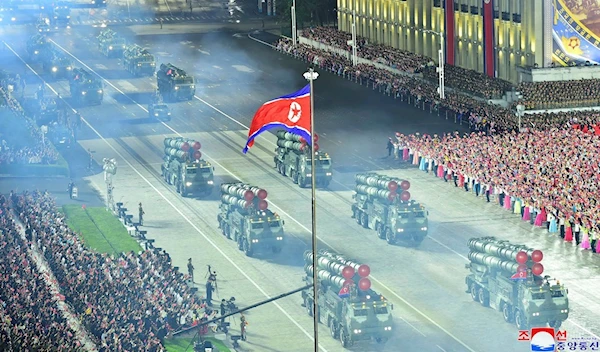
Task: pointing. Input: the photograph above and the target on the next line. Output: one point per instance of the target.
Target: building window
(516, 18)
(437, 3)
(474, 10)
(464, 8)
(455, 5)
(496, 14)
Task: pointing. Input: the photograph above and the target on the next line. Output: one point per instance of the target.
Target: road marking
(381, 284)
(438, 346)
(254, 283)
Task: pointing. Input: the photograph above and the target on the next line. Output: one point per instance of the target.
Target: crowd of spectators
(554, 172)
(31, 147)
(560, 94)
(30, 319)
(128, 302)
(470, 81)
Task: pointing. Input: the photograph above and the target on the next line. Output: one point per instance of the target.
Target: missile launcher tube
(291, 145)
(325, 277)
(497, 248)
(372, 191)
(283, 135)
(493, 261)
(375, 180)
(236, 190)
(331, 261)
(179, 154)
(229, 199)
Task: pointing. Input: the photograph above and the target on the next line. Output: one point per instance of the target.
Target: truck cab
(409, 221)
(159, 111)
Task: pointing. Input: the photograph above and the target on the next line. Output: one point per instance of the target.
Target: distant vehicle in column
(174, 83)
(60, 14)
(110, 43)
(346, 303)
(36, 45)
(293, 159)
(383, 204)
(56, 63)
(245, 217)
(184, 167)
(138, 61)
(86, 89)
(508, 278)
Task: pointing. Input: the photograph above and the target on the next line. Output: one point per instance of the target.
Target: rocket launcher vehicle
(244, 196)
(183, 149)
(504, 256)
(381, 186)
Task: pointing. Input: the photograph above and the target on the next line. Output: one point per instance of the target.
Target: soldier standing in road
(243, 324)
(390, 146)
(210, 287)
(190, 267)
(141, 214)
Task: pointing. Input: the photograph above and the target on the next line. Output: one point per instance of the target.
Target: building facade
(489, 36)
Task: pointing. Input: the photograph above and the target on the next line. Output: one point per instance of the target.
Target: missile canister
(493, 261)
(177, 143)
(229, 199)
(494, 247)
(330, 261)
(180, 154)
(291, 145)
(372, 191)
(325, 276)
(283, 135)
(237, 190)
(375, 180)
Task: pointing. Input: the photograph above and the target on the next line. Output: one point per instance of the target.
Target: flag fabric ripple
(289, 112)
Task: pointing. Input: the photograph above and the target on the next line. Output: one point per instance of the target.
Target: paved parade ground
(235, 75)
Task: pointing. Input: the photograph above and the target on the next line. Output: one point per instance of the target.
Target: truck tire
(276, 250)
(474, 288)
(309, 307)
(381, 232)
(483, 297)
(381, 340)
(507, 313)
(364, 220)
(389, 236)
(333, 328)
(520, 321)
(344, 338)
(247, 249)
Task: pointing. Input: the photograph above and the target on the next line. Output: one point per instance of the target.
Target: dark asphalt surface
(235, 75)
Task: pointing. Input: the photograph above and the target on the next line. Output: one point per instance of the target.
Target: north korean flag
(521, 275)
(290, 112)
(344, 292)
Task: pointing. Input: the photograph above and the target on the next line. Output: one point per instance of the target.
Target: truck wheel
(555, 324)
(309, 307)
(333, 329)
(389, 236)
(226, 231)
(520, 321)
(483, 297)
(240, 244)
(364, 220)
(282, 169)
(474, 290)
(381, 232)
(344, 338)
(247, 249)
(294, 176)
(507, 313)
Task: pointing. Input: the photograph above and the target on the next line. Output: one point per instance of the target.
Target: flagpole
(311, 75)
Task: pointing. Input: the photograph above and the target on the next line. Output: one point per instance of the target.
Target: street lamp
(110, 169)
(310, 76)
(520, 113)
(353, 41)
(294, 31)
(442, 61)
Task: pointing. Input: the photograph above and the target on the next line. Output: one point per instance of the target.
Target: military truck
(245, 217)
(159, 111)
(85, 88)
(293, 159)
(60, 14)
(110, 43)
(346, 303)
(174, 83)
(138, 61)
(56, 63)
(45, 111)
(36, 45)
(395, 217)
(184, 168)
(507, 278)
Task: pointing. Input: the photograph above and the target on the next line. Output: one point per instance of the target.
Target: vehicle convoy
(36, 45)
(395, 217)
(293, 159)
(346, 303)
(245, 217)
(110, 43)
(138, 61)
(507, 278)
(56, 63)
(174, 83)
(184, 167)
(85, 88)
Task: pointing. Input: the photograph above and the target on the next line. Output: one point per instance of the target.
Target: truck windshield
(381, 310)
(205, 170)
(274, 224)
(257, 225)
(538, 296)
(419, 214)
(187, 80)
(191, 170)
(360, 312)
(557, 293)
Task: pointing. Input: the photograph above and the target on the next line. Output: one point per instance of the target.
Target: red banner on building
(489, 56)
(449, 30)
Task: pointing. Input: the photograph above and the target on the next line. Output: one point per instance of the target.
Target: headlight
(255, 241)
(564, 311)
(388, 328)
(153, 64)
(139, 65)
(357, 331)
(69, 68)
(424, 228)
(68, 17)
(155, 114)
(36, 52)
(536, 314)
(400, 230)
(328, 174)
(176, 88)
(188, 184)
(54, 69)
(192, 86)
(308, 175)
(83, 93)
(280, 238)
(110, 47)
(169, 113)
(13, 19)
(100, 91)
(210, 182)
